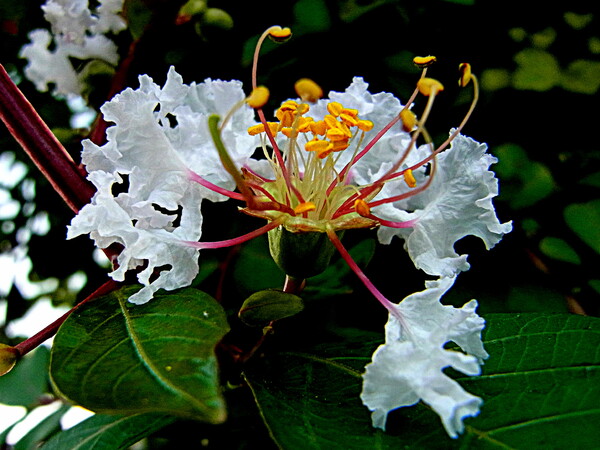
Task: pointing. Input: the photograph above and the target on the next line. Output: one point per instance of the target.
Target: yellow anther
(335, 108)
(278, 34)
(424, 61)
(260, 128)
(349, 120)
(305, 207)
(362, 207)
(258, 97)
(350, 112)
(308, 90)
(304, 124)
(429, 86)
(324, 153)
(318, 145)
(409, 120)
(338, 146)
(318, 127)
(330, 121)
(409, 179)
(365, 125)
(335, 134)
(465, 74)
(287, 132)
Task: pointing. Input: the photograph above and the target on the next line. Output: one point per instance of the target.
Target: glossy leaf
(28, 381)
(42, 430)
(584, 220)
(108, 431)
(115, 357)
(540, 386)
(265, 306)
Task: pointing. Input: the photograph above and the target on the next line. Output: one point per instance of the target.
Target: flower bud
(300, 254)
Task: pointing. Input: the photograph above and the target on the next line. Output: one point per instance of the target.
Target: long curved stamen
(193, 176)
(390, 306)
(278, 34)
(238, 240)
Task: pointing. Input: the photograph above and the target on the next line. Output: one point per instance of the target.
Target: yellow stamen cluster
(332, 134)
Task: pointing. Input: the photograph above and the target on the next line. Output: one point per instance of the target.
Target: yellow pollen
(338, 146)
(349, 120)
(318, 127)
(335, 134)
(424, 61)
(409, 179)
(429, 86)
(278, 34)
(362, 207)
(465, 74)
(308, 90)
(365, 125)
(260, 128)
(335, 108)
(317, 145)
(409, 120)
(258, 97)
(350, 112)
(304, 207)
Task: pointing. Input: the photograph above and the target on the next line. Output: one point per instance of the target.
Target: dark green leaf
(114, 357)
(265, 306)
(557, 248)
(28, 381)
(584, 220)
(108, 431)
(42, 430)
(541, 387)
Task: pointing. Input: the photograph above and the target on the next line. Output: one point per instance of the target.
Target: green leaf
(265, 306)
(540, 386)
(42, 430)
(108, 431)
(28, 381)
(557, 248)
(115, 357)
(584, 220)
(538, 70)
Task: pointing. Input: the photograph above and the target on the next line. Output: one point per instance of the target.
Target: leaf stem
(37, 339)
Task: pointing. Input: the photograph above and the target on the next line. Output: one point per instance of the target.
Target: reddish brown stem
(48, 154)
(37, 339)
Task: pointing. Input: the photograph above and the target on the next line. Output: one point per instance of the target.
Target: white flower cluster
(147, 202)
(76, 34)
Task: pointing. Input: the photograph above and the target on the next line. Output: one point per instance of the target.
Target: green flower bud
(301, 254)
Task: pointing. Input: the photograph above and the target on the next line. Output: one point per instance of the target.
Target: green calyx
(300, 254)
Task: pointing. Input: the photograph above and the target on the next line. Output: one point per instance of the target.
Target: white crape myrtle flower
(159, 142)
(76, 33)
(349, 161)
(408, 368)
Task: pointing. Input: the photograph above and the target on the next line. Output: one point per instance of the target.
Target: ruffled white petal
(408, 367)
(458, 203)
(146, 200)
(77, 33)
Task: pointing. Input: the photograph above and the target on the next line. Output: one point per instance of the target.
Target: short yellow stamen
(424, 61)
(429, 86)
(465, 74)
(318, 145)
(365, 125)
(409, 120)
(335, 108)
(260, 128)
(258, 97)
(362, 207)
(308, 90)
(409, 179)
(305, 207)
(319, 127)
(278, 34)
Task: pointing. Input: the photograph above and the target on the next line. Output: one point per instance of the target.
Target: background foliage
(540, 74)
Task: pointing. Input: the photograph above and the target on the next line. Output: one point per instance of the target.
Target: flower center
(310, 150)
